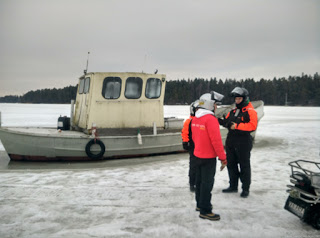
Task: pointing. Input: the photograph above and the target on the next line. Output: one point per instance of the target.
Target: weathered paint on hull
(45, 144)
(40, 144)
(37, 144)
(73, 158)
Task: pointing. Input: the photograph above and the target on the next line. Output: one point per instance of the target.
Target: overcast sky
(44, 44)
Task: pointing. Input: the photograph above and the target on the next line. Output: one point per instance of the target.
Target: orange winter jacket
(185, 129)
(246, 120)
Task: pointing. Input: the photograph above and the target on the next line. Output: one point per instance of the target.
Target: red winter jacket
(206, 136)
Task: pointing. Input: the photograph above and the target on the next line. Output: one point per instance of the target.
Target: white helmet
(208, 100)
(193, 107)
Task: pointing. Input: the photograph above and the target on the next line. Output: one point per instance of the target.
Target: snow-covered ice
(149, 197)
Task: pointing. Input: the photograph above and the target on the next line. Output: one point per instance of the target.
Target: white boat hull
(50, 144)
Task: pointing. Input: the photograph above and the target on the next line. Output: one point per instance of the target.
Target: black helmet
(240, 92)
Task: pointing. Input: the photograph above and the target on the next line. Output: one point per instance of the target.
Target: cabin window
(133, 88)
(86, 85)
(153, 88)
(81, 86)
(111, 87)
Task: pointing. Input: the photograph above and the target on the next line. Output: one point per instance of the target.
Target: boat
(115, 115)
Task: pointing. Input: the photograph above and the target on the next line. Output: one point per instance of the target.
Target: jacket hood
(202, 112)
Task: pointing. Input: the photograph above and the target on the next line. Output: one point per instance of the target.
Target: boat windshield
(133, 88)
(81, 86)
(111, 88)
(86, 85)
(153, 88)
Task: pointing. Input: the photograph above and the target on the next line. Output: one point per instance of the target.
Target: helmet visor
(217, 97)
(239, 92)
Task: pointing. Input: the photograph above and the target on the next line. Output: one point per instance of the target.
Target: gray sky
(44, 44)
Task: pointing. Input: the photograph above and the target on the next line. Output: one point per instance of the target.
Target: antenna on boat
(86, 70)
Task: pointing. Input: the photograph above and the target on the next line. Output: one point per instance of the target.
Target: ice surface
(149, 197)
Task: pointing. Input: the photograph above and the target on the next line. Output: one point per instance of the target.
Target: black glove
(228, 124)
(238, 120)
(221, 121)
(225, 122)
(185, 145)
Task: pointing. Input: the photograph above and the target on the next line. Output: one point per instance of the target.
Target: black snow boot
(244, 194)
(210, 216)
(230, 190)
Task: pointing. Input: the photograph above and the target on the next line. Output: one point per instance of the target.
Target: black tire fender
(92, 155)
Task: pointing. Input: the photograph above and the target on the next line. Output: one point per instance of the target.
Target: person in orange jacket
(240, 121)
(207, 147)
(188, 145)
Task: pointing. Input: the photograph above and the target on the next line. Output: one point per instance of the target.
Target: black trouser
(238, 153)
(206, 169)
(192, 169)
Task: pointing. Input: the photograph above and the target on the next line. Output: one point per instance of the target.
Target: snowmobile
(304, 192)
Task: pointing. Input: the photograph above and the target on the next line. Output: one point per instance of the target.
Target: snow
(149, 197)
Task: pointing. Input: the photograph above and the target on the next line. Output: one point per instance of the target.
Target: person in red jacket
(207, 147)
(189, 146)
(240, 121)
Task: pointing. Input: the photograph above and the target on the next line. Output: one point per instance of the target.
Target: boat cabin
(119, 100)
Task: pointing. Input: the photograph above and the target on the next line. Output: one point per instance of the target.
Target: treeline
(55, 96)
(296, 90)
(301, 90)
